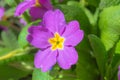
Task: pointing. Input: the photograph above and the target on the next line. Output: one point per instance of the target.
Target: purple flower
(22, 21)
(2, 28)
(1, 12)
(37, 8)
(119, 73)
(56, 39)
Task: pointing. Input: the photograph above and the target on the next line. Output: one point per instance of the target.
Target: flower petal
(1, 12)
(37, 12)
(54, 21)
(73, 35)
(39, 36)
(45, 59)
(46, 3)
(24, 6)
(72, 27)
(33, 28)
(22, 21)
(67, 57)
(3, 28)
(74, 38)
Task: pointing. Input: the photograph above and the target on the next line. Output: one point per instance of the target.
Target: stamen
(37, 3)
(57, 42)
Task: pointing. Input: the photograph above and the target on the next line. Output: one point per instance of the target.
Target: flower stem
(26, 17)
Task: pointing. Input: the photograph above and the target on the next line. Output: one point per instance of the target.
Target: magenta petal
(33, 28)
(1, 12)
(22, 21)
(46, 3)
(37, 12)
(67, 57)
(3, 28)
(54, 21)
(72, 27)
(45, 59)
(73, 35)
(23, 6)
(74, 38)
(39, 36)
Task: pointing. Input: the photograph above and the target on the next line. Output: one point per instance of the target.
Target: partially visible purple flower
(22, 21)
(56, 39)
(37, 8)
(119, 73)
(2, 28)
(1, 12)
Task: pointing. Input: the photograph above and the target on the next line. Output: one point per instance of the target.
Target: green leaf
(10, 12)
(67, 74)
(2, 3)
(73, 3)
(109, 26)
(118, 47)
(99, 52)
(9, 39)
(86, 67)
(94, 3)
(39, 75)
(23, 34)
(73, 12)
(116, 61)
(93, 18)
(115, 64)
(8, 72)
(11, 3)
(22, 37)
(108, 3)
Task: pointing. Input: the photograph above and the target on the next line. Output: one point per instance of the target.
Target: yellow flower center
(57, 42)
(37, 3)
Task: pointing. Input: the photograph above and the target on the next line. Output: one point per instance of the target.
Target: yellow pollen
(37, 3)
(57, 42)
